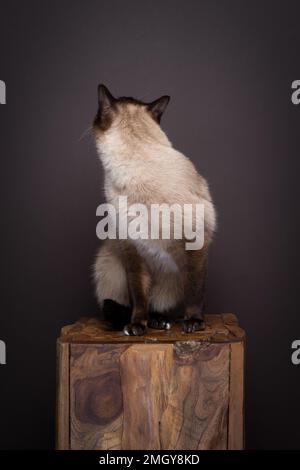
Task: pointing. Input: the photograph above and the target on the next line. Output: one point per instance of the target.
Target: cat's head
(126, 114)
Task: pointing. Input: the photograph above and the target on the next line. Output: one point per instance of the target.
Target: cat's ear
(105, 98)
(158, 107)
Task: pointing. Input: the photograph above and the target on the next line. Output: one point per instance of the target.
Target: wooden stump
(165, 390)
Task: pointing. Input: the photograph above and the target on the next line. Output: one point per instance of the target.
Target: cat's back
(177, 176)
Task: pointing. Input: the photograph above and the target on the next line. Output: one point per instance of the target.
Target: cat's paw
(159, 322)
(193, 324)
(134, 329)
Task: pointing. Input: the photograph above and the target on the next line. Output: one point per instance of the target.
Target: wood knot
(98, 400)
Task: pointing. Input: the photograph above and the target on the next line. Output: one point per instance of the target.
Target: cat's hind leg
(115, 314)
(111, 285)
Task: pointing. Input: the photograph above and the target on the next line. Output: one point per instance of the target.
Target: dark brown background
(228, 67)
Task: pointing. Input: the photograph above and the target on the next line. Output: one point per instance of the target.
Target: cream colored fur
(140, 163)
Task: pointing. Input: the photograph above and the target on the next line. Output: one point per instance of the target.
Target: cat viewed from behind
(140, 282)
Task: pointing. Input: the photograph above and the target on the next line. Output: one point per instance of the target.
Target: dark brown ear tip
(104, 95)
(102, 87)
(163, 99)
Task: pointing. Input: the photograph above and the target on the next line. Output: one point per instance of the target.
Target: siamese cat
(140, 282)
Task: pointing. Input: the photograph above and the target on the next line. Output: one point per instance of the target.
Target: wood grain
(146, 376)
(219, 328)
(96, 401)
(149, 396)
(196, 413)
(164, 390)
(62, 400)
(236, 400)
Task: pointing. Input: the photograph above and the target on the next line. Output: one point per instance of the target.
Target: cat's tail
(115, 314)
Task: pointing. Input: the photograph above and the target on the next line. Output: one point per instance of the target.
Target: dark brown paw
(134, 329)
(193, 324)
(159, 322)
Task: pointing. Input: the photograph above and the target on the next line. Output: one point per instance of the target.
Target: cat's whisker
(85, 133)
